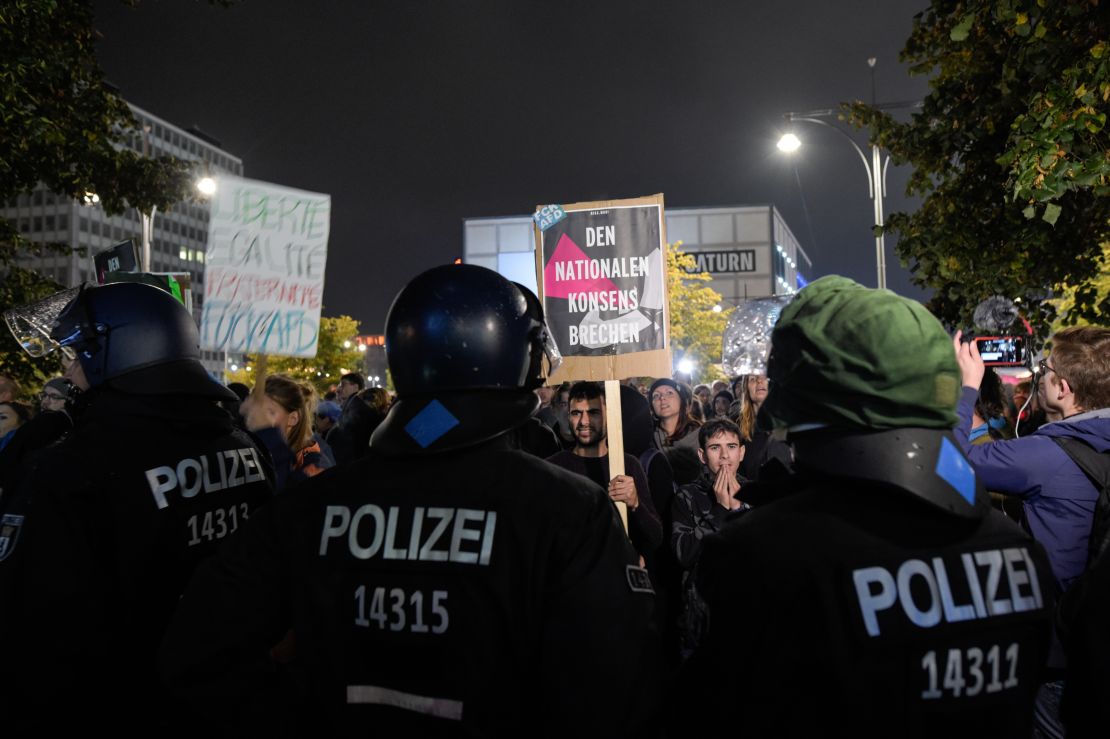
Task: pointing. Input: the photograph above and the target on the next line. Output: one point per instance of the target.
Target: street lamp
(876, 176)
(789, 143)
(206, 186)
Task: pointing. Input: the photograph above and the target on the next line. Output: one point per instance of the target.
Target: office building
(179, 235)
(749, 251)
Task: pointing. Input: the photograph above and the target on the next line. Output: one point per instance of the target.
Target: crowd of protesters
(700, 462)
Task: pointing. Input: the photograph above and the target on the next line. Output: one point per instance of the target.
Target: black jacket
(117, 517)
(855, 608)
(350, 438)
(644, 527)
(480, 592)
(695, 514)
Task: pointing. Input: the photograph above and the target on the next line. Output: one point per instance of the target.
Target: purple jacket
(1059, 499)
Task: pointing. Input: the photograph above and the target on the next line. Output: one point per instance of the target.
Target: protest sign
(601, 272)
(121, 257)
(264, 268)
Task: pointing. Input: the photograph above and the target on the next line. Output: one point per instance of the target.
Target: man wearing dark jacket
(350, 438)
(883, 596)
(446, 584)
(699, 509)
(114, 519)
(590, 457)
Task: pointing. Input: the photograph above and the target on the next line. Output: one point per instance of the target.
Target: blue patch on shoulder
(954, 469)
(430, 424)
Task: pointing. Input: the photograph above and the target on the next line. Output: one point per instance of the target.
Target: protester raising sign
(264, 268)
(602, 279)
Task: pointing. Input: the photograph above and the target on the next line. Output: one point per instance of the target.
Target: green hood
(846, 356)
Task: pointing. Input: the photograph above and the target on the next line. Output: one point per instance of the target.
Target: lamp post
(205, 185)
(876, 176)
(146, 220)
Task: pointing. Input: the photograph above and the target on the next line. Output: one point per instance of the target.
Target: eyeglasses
(51, 396)
(1045, 369)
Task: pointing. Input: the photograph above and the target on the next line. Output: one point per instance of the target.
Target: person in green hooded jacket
(878, 594)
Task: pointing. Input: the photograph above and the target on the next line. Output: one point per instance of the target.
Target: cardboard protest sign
(601, 270)
(264, 268)
(121, 257)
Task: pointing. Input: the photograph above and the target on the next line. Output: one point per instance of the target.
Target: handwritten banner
(264, 269)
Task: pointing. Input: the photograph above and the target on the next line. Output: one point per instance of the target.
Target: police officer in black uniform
(447, 583)
(109, 526)
(883, 597)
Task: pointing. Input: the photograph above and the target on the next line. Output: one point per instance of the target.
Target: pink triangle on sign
(566, 253)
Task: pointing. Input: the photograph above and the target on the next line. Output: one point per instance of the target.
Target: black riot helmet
(465, 348)
(137, 339)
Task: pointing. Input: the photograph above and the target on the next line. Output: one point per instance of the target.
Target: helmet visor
(550, 349)
(31, 324)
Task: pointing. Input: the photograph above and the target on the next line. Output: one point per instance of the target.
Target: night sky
(415, 115)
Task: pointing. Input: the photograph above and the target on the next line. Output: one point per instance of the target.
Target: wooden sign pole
(259, 388)
(614, 438)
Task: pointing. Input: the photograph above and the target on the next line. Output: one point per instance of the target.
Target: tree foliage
(696, 330)
(331, 362)
(1101, 285)
(1010, 152)
(60, 125)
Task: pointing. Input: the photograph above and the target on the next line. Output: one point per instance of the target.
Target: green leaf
(960, 30)
(1051, 213)
(1029, 212)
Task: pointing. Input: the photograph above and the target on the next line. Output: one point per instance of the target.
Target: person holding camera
(1059, 499)
(1045, 470)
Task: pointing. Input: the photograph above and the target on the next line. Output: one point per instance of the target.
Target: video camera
(1000, 351)
(999, 344)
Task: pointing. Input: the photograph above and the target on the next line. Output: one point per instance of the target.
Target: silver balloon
(747, 336)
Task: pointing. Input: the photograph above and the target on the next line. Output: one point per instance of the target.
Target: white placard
(264, 268)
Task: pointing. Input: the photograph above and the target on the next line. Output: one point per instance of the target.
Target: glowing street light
(876, 177)
(686, 366)
(789, 143)
(875, 168)
(206, 186)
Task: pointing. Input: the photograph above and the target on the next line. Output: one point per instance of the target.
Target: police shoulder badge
(638, 580)
(10, 524)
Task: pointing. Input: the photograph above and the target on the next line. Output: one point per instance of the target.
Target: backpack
(1096, 466)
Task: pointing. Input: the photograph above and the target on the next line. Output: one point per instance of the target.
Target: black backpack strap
(1096, 465)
